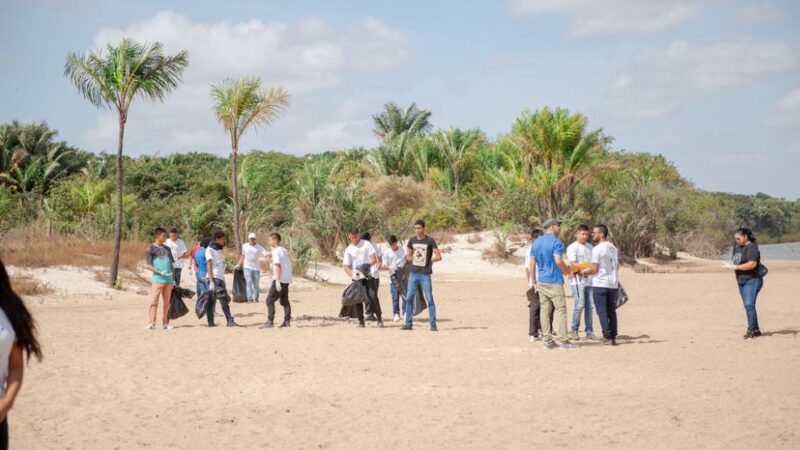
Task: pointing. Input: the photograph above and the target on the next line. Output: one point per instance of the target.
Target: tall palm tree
(393, 121)
(456, 146)
(238, 105)
(113, 79)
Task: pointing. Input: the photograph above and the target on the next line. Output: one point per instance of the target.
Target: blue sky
(713, 85)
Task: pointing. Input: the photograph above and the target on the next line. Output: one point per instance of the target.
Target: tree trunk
(237, 238)
(114, 270)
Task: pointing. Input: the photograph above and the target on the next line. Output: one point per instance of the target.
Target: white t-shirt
(580, 254)
(528, 261)
(606, 256)
(216, 260)
(280, 256)
(356, 255)
(252, 255)
(178, 249)
(378, 257)
(7, 339)
(395, 259)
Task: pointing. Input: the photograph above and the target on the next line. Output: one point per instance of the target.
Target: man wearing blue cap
(547, 271)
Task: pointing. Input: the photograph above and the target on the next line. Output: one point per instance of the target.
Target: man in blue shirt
(547, 271)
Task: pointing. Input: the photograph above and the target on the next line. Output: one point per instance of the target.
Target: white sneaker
(151, 327)
(396, 318)
(167, 326)
(535, 338)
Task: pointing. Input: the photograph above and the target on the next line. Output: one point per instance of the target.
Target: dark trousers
(374, 305)
(605, 303)
(226, 309)
(283, 297)
(535, 326)
(4, 434)
(176, 273)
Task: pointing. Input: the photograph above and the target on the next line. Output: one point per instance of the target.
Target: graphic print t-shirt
(160, 257)
(421, 254)
(745, 254)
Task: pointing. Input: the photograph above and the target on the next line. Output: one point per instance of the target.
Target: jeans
(749, 291)
(283, 297)
(226, 309)
(582, 295)
(176, 271)
(252, 276)
(605, 301)
(551, 296)
(419, 279)
(395, 298)
(202, 283)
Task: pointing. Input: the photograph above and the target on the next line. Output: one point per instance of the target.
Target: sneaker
(372, 318)
(574, 335)
(231, 323)
(269, 324)
(286, 323)
(535, 338)
(567, 346)
(756, 332)
(167, 326)
(406, 326)
(396, 318)
(549, 345)
(434, 327)
(151, 327)
(380, 324)
(591, 337)
(212, 324)
(749, 335)
(361, 325)
(606, 341)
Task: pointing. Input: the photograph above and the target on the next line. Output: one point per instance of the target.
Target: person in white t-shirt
(374, 307)
(252, 254)
(281, 279)
(395, 261)
(178, 249)
(579, 256)
(17, 339)
(605, 283)
(358, 259)
(215, 260)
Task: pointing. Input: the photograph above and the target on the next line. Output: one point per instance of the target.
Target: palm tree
(113, 79)
(238, 105)
(398, 128)
(456, 146)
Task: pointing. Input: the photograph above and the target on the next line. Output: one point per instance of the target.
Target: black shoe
(749, 335)
(269, 324)
(434, 328)
(361, 325)
(286, 323)
(372, 318)
(212, 325)
(756, 333)
(406, 326)
(613, 341)
(380, 324)
(231, 323)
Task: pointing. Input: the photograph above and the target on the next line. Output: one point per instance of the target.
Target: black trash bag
(355, 293)
(400, 278)
(176, 306)
(221, 295)
(183, 292)
(622, 297)
(239, 286)
(202, 304)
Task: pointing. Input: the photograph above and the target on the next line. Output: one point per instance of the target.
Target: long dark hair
(21, 320)
(744, 232)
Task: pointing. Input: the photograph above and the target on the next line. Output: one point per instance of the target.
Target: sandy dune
(683, 378)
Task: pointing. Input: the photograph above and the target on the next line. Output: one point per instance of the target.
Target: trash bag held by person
(177, 308)
(239, 286)
(203, 301)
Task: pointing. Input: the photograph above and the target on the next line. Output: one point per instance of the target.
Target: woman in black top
(745, 262)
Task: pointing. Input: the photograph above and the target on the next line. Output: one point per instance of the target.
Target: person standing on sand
(579, 255)
(745, 262)
(395, 260)
(534, 307)
(17, 339)
(215, 260)
(547, 271)
(357, 255)
(281, 279)
(199, 265)
(374, 307)
(178, 249)
(421, 253)
(160, 262)
(252, 254)
(605, 283)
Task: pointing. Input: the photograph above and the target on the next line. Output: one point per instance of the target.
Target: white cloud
(309, 58)
(787, 110)
(760, 13)
(598, 17)
(683, 72)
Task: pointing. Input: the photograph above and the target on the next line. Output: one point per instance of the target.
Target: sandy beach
(682, 377)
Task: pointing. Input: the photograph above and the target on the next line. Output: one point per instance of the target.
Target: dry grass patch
(29, 286)
(37, 251)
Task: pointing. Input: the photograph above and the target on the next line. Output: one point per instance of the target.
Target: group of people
(362, 260)
(594, 276)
